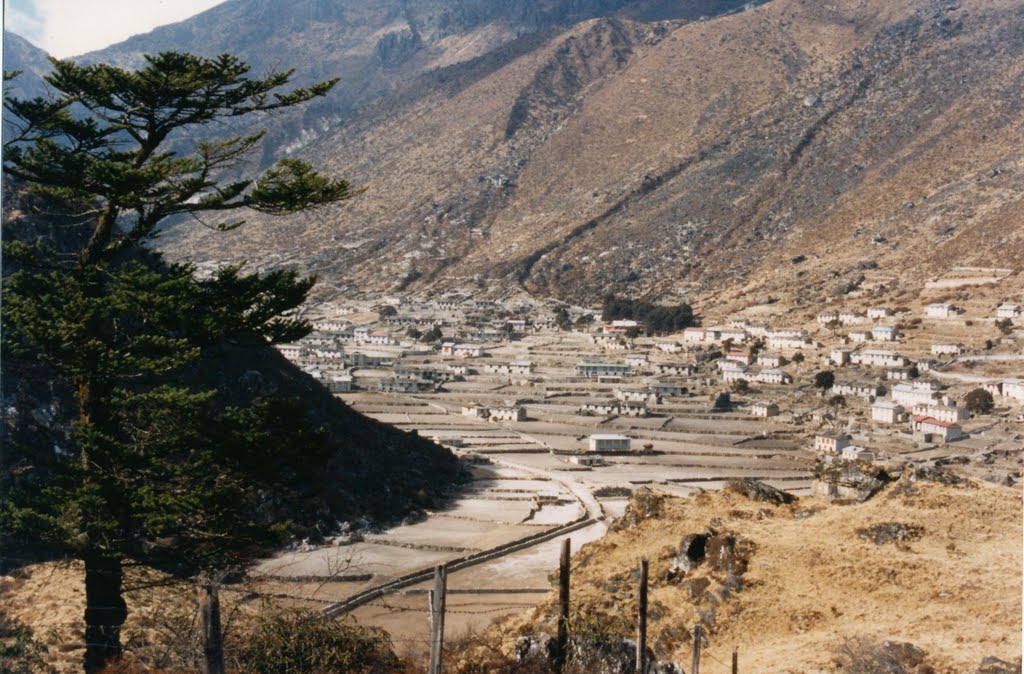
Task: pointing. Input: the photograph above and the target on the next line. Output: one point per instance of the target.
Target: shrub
(289, 641)
(656, 318)
(979, 401)
(20, 653)
(824, 380)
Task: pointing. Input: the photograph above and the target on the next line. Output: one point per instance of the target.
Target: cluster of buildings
(633, 374)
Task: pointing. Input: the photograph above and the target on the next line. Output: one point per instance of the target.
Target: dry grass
(812, 582)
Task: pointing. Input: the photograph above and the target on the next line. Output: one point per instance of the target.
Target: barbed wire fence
(194, 635)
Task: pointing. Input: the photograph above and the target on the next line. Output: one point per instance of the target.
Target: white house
(402, 386)
(855, 453)
(475, 411)
(994, 388)
(918, 393)
(928, 429)
(510, 413)
(884, 333)
(292, 351)
(638, 396)
(698, 335)
(789, 343)
(468, 350)
(880, 312)
(827, 317)
(950, 414)
(340, 384)
(1009, 311)
(669, 347)
(888, 412)
(584, 460)
(940, 310)
(604, 409)
(947, 349)
(678, 369)
(787, 332)
(636, 359)
(851, 317)
(859, 336)
(517, 367)
(377, 337)
(735, 334)
(588, 368)
(670, 390)
(370, 359)
(742, 357)
(764, 410)
(898, 374)
(771, 360)
(855, 390)
(773, 377)
(731, 373)
(1014, 388)
(330, 325)
(878, 358)
(609, 443)
(831, 443)
(620, 408)
(840, 356)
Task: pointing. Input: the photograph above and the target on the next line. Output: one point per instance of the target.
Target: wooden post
(209, 622)
(437, 618)
(563, 603)
(735, 662)
(695, 667)
(641, 621)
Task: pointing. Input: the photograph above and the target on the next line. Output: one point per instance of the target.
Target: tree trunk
(105, 610)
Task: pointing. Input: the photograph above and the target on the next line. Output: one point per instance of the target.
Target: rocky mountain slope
(575, 147)
(660, 159)
(33, 62)
(373, 47)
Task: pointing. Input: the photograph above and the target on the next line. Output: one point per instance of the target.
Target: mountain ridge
(716, 149)
(668, 159)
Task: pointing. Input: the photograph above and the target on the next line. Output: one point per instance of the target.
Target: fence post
(437, 618)
(641, 621)
(563, 603)
(209, 622)
(735, 662)
(695, 667)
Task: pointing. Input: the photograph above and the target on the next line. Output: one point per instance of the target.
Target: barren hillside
(804, 579)
(677, 159)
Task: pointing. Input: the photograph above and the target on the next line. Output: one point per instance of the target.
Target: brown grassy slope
(813, 582)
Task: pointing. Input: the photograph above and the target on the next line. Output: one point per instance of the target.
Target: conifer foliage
(157, 467)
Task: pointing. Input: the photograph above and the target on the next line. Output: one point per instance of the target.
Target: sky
(72, 27)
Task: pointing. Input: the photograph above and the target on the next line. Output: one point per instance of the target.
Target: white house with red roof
(930, 428)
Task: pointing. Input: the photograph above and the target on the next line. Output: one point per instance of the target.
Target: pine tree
(155, 469)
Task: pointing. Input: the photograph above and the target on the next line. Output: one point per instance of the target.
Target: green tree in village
(824, 380)
(979, 401)
(156, 468)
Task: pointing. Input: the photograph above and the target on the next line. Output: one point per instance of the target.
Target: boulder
(759, 491)
(848, 480)
(993, 665)
(535, 648)
(691, 553)
(644, 504)
(890, 532)
(724, 554)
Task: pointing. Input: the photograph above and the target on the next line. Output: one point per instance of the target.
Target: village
(561, 415)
